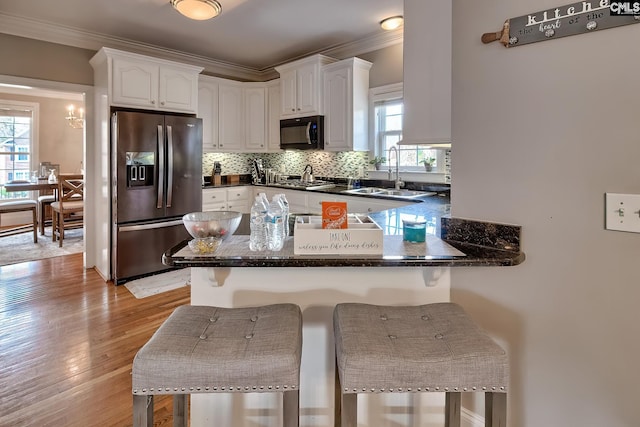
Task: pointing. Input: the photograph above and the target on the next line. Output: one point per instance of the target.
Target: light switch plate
(622, 212)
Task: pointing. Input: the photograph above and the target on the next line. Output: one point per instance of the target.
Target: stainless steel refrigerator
(156, 167)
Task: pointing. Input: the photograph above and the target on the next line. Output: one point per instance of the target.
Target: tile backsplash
(324, 163)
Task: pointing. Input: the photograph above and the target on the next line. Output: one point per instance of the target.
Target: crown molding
(368, 44)
(69, 36)
(54, 33)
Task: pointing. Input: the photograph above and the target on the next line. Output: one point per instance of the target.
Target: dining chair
(67, 211)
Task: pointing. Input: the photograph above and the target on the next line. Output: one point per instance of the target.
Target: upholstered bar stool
(417, 349)
(44, 202)
(202, 349)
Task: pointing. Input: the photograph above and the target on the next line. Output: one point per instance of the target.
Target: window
(16, 144)
(388, 109)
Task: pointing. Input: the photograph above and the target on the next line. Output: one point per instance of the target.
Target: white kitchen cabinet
(427, 72)
(255, 117)
(301, 86)
(143, 82)
(304, 201)
(214, 199)
(234, 115)
(366, 205)
(231, 116)
(355, 204)
(346, 88)
(314, 201)
(297, 198)
(297, 201)
(273, 116)
(208, 112)
(239, 199)
(268, 191)
(227, 199)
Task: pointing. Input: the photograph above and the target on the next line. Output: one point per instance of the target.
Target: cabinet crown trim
(109, 53)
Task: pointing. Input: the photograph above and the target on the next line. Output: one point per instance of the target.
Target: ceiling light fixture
(392, 23)
(199, 10)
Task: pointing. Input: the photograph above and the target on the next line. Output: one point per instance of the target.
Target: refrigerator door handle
(149, 226)
(160, 147)
(169, 165)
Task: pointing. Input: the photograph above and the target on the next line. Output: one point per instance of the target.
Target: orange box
(334, 215)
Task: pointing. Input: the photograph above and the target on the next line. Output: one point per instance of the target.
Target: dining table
(43, 187)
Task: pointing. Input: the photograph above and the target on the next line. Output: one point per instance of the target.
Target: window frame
(34, 107)
(390, 93)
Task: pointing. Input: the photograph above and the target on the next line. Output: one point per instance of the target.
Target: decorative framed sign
(568, 20)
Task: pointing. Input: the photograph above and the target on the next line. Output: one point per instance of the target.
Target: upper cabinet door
(178, 90)
(135, 83)
(308, 90)
(338, 121)
(208, 112)
(301, 86)
(273, 116)
(255, 119)
(152, 84)
(230, 117)
(288, 91)
(346, 105)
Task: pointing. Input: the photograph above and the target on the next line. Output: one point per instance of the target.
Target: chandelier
(76, 122)
(199, 10)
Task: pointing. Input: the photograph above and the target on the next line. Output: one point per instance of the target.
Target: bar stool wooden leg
(180, 410)
(290, 408)
(54, 225)
(452, 409)
(34, 211)
(349, 416)
(143, 411)
(42, 219)
(495, 409)
(61, 227)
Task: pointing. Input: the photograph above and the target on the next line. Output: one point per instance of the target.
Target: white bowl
(219, 224)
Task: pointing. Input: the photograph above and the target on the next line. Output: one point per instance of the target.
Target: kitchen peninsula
(405, 274)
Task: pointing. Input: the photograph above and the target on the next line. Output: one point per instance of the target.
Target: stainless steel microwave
(302, 133)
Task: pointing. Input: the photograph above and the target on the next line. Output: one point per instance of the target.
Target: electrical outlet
(622, 212)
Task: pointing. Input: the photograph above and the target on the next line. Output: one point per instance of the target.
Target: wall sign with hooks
(568, 20)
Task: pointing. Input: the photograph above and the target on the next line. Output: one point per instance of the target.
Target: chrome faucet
(398, 182)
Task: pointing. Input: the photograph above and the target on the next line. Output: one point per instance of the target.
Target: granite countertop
(451, 242)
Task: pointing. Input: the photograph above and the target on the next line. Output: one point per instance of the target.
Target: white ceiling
(250, 35)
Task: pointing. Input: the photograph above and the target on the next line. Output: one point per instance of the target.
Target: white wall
(540, 133)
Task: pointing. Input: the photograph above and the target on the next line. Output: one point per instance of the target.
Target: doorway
(57, 142)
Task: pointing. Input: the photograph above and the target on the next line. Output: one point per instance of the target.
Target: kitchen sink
(406, 193)
(388, 192)
(365, 190)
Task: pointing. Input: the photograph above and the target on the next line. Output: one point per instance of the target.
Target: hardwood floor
(67, 340)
